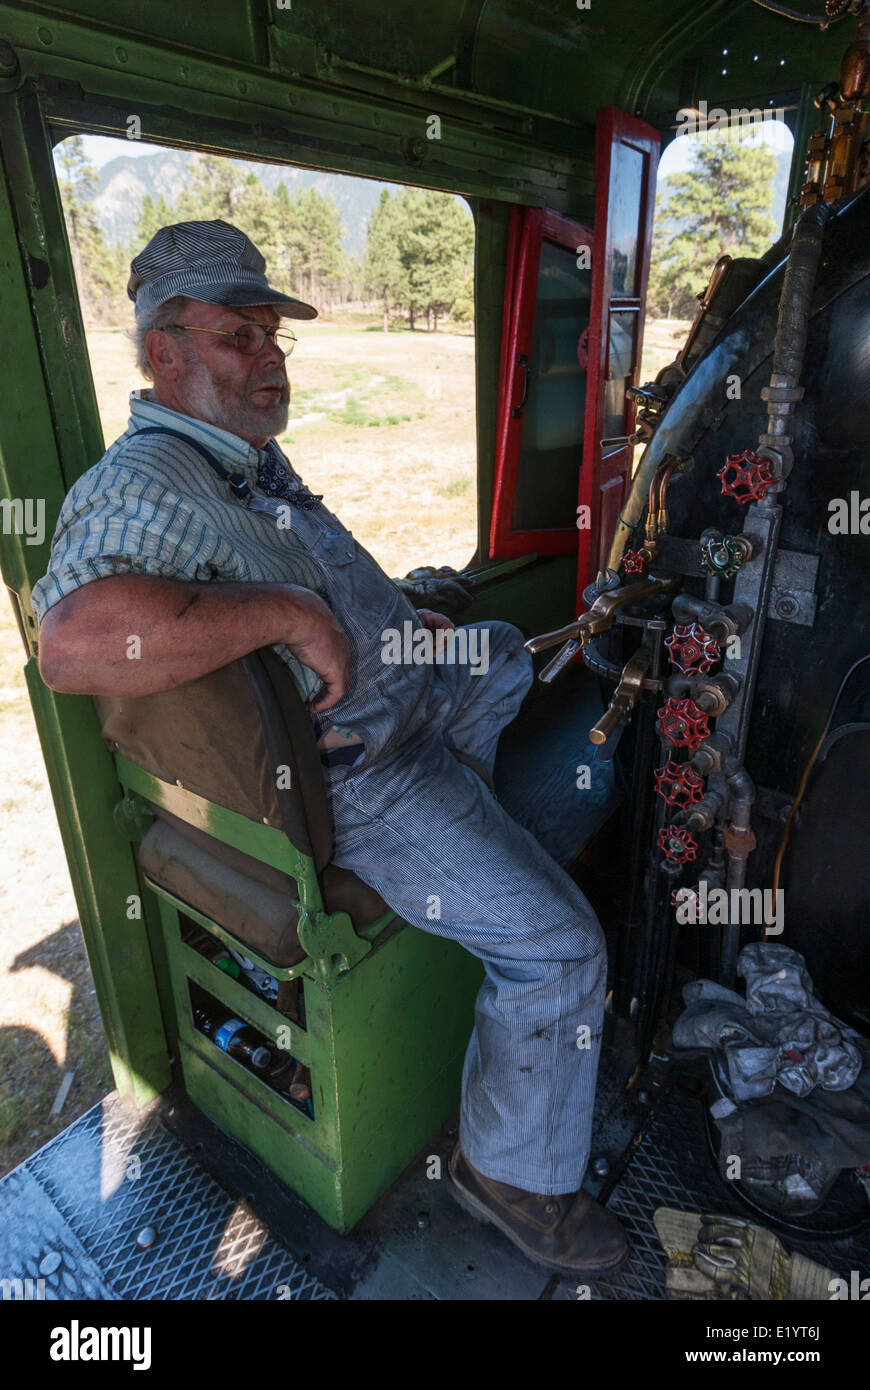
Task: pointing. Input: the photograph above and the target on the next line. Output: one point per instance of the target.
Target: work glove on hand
(439, 587)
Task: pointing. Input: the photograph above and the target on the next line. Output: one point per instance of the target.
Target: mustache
(281, 383)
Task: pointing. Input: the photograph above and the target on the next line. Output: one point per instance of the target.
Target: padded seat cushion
(254, 901)
(222, 736)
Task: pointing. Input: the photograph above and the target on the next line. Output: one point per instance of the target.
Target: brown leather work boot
(570, 1233)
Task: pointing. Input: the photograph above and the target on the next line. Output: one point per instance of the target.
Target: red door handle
(523, 362)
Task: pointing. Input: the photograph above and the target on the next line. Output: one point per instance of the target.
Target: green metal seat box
(223, 789)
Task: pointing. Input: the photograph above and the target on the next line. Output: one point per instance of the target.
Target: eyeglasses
(249, 338)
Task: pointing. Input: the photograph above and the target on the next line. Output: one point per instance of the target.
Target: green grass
(87, 1055)
(353, 412)
(12, 1117)
(388, 420)
(356, 412)
(458, 487)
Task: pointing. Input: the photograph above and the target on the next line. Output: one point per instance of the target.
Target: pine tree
(318, 238)
(419, 253)
(383, 272)
(98, 268)
(718, 207)
(213, 188)
(256, 214)
(437, 246)
(152, 216)
(286, 245)
(300, 237)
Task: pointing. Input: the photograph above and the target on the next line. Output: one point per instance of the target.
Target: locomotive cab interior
(698, 722)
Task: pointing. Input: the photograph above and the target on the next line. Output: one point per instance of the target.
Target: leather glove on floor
(724, 1258)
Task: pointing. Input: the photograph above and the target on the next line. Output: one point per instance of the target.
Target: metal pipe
(739, 842)
(721, 622)
(821, 21)
(693, 395)
(639, 814)
(754, 579)
(711, 588)
(789, 348)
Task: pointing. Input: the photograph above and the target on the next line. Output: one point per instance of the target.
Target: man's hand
(327, 651)
(433, 620)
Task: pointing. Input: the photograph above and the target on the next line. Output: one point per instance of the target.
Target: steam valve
(633, 561)
(746, 477)
(723, 555)
(679, 784)
(677, 845)
(692, 649)
(685, 897)
(683, 723)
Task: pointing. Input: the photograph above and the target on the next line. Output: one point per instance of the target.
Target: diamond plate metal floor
(673, 1167)
(74, 1213)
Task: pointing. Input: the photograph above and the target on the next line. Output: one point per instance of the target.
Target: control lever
(598, 618)
(560, 661)
(613, 721)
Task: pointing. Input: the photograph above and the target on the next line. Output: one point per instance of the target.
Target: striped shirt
(153, 506)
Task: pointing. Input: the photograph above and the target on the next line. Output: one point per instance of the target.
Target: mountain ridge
(126, 180)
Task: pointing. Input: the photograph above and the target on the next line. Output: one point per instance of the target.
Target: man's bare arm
(185, 630)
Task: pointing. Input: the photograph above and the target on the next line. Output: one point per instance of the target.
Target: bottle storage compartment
(312, 1107)
(287, 996)
(252, 1049)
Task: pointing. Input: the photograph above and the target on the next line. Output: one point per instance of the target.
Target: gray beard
(238, 416)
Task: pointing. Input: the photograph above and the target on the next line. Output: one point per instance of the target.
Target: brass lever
(624, 697)
(599, 617)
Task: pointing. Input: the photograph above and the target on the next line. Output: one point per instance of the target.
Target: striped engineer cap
(211, 261)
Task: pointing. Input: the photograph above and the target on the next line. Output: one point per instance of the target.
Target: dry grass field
(383, 426)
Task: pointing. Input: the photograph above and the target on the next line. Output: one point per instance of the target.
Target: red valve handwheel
(677, 845)
(692, 649)
(683, 723)
(683, 896)
(679, 784)
(746, 477)
(633, 561)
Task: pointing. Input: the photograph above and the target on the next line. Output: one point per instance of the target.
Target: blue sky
(675, 159)
(101, 148)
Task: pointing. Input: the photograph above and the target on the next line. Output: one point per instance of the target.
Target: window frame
(528, 229)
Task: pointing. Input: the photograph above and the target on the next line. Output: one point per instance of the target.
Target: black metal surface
(672, 1167)
(640, 808)
(800, 666)
(77, 1207)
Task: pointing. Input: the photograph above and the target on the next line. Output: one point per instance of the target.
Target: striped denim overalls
(418, 825)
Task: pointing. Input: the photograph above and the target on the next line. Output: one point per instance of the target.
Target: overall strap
(237, 482)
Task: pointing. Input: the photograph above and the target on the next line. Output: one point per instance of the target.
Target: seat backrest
(230, 736)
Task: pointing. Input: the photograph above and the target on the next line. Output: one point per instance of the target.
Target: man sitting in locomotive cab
(194, 533)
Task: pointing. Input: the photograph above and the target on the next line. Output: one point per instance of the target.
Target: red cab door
(626, 160)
